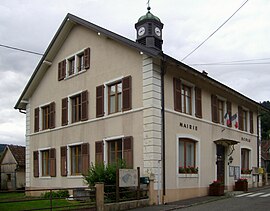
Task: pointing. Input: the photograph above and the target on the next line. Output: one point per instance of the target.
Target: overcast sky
(31, 24)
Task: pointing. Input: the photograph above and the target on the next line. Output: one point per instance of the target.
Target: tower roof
(149, 16)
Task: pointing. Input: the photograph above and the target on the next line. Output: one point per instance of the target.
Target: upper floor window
(186, 99)
(245, 119)
(76, 108)
(220, 111)
(115, 97)
(71, 65)
(44, 116)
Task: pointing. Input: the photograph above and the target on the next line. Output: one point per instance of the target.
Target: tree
(265, 121)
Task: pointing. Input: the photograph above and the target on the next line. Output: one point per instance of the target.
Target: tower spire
(148, 6)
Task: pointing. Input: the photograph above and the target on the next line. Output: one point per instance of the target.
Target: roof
(149, 16)
(265, 146)
(70, 21)
(18, 153)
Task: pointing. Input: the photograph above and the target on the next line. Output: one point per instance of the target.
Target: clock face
(157, 31)
(141, 31)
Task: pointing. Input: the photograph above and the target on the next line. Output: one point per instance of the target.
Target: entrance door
(220, 163)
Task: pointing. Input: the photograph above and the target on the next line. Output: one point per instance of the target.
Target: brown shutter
(198, 102)
(84, 97)
(100, 101)
(126, 93)
(52, 115)
(128, 151)
(177, 94)
(64, 111)
(52, 155)
(36, 126)
(36, 164)
(86, 58)
(64, 161)
(229, 112)
(251, 122)
(85, 158)
(61, 70)
(214, 108)
(240, 117)
(99, 152)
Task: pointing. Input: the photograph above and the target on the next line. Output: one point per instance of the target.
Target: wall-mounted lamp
(230, 160)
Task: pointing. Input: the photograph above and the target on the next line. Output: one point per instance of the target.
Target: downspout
(258, 142)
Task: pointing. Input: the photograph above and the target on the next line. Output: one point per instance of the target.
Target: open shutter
(85, 158)
(36, 164)
(64, 161)
(52, 155)
(128, 151)
(240, 117)
(99, 152)
(198, 102)
(251, 122)
(36, 126)
(64, 111)
(100, 101)
(84, 96)
(126, 93)
(61, 70)
(177, 94)
(214, 108)
(52, 115)
(86, 58)
(229, 113)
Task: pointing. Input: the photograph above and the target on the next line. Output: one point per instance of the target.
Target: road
(257, 200)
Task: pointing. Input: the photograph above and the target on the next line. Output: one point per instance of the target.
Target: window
(76, 160)
(45, 163)
(115, 97)
(186, 99)
(71, 66)
(8, 177)
(187, 156)
(220, 111)
(114, 151)
(80, 62)
(245, 169)
(244, 120)
(76, 106)
(47, 117)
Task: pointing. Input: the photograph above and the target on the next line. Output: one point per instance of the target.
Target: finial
(148, 6)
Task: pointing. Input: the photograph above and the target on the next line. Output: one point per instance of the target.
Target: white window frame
(192, 89)
(69, 159)
(105, 144)
(40, 150)
(249, 157)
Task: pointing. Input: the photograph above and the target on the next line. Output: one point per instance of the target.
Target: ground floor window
(245, 157)
(45, 164)
(76, 159)
(187, 156)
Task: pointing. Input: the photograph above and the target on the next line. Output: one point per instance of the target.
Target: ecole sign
(188, 126)
(245, 139)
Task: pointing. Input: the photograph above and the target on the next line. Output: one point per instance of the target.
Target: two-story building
(96, 96)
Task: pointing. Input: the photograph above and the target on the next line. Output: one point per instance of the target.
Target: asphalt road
(257, 201)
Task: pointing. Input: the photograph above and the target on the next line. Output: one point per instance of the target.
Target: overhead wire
(20, 49)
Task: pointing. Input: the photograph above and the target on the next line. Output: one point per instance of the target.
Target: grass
(36, 203)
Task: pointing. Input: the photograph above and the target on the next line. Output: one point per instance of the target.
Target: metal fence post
(139, 184)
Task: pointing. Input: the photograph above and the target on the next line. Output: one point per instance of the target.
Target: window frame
(76, 169)
(245, 159)
(69, 159)
(221, 110)
(184, 97)
(76, 108)
(45, 169)
(118, 106)
(45, 117)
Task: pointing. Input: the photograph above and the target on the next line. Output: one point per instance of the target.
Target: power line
(20, 49)
(248, 63)
(215, 31)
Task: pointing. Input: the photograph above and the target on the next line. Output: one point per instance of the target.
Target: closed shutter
(36, 164)
(36, 126)
(128, 151)
(64, 161)
(229, 113)
(240, 117)
(100, 101)
(84, 96)
(127, 93)
(64, 111)
(85, 158)
(61, 70)
(198, 102)
(214, 108)
(86, 58)
(52, 115)
(251, 122)
(99, 152)
(177, 94)
(52, 155)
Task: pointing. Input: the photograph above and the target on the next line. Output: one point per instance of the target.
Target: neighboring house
(265, 154)
(96, 97)
(12, 165)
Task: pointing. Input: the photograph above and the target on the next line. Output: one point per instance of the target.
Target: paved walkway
(194, 201)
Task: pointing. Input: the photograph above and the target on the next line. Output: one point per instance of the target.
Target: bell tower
(149, 30)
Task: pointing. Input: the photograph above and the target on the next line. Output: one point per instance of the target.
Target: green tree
(265, 121)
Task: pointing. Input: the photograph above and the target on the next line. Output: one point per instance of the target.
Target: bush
(57, 194)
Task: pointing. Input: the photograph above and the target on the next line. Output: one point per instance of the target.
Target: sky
(31, 25)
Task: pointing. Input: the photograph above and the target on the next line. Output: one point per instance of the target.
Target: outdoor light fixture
(230, 160)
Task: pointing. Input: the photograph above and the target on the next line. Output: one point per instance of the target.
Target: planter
(241, 186)
(216, 190)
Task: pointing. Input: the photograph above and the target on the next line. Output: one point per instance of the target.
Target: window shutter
(229, 112)
(86, 58)
(84, 97)
(64, 161)
(198, 102)
(85, 158)
(61, 70)
(99, 152)
(251, 122)
(128, 151)
(100, 101)
(52, 154)
(36, 164)
(214, 108)
(52, 115)
(36, 127)
(177, 94)
(240, 117)
(126, 93)
(64, 111)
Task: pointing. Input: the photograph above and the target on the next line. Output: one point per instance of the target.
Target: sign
(128, 177)
(234, 171)
(245, 139)
(188, 126)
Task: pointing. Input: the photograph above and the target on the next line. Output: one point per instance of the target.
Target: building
(12, 167)
(96, 96)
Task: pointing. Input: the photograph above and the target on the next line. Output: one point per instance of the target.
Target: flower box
(241, 185)
(216, 189)
(188, 170)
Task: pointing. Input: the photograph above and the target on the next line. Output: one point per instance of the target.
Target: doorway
(221, 163)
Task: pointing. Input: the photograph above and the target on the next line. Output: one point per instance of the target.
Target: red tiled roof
(18, 153)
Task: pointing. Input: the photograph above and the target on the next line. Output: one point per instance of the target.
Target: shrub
(57, 194)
